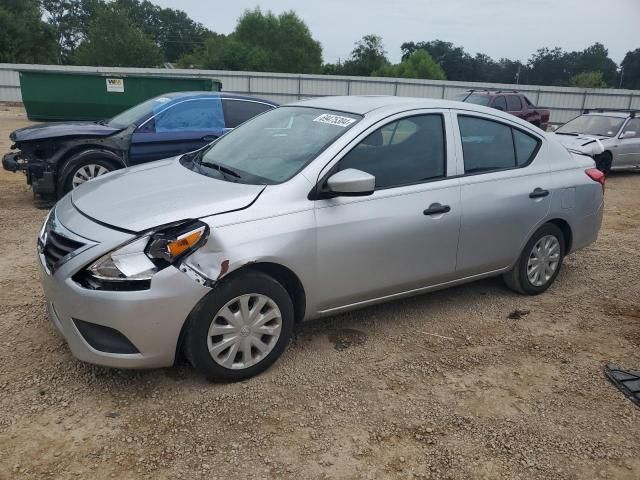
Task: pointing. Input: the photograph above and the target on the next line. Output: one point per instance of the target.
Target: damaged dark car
(57, 157)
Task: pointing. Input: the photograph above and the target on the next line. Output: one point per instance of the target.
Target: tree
(24, 37)
(70, 20)
(367, 57)
(417, 65)
(588, 80)
(171, 30)
(549, 67)
(594, 59)
(262, 42)
(456, 63)
(113, 41)
(630, 70)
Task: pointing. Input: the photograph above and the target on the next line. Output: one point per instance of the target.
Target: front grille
(57, 247)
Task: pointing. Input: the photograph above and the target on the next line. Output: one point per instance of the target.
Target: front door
(628, 151)
(505, 193)
(402, 237)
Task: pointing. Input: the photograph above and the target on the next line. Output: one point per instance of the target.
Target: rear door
(396, 239)
(505, 191)
(176, 129)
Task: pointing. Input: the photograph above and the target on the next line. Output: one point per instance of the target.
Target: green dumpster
(49, 95)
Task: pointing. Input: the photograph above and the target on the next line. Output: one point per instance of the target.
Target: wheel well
(566, 233)
(289, 281)
(63, 163)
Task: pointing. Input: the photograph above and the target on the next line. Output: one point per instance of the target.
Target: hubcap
(88, 172)
(244, 331)
(543, 260)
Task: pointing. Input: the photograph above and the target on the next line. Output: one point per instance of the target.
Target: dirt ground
(444, 385)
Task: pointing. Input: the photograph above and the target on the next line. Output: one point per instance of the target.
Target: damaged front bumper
(41, 179)
(14, 161)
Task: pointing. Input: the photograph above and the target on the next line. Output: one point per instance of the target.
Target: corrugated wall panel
(564, 102)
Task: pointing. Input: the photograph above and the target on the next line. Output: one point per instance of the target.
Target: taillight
(596, 175)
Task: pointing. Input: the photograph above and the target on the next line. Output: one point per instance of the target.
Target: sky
(500, 28)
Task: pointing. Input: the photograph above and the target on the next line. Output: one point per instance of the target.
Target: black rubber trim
(105, 339)
(627, 381)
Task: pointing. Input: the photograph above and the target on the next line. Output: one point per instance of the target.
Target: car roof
(363, 104)
(201, 94)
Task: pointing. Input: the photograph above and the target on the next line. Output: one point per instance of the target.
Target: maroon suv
(508, 101)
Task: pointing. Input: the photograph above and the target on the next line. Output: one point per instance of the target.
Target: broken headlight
(141, 258)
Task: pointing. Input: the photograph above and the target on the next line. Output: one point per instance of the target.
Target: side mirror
(629, 134)
(351, 183)
(498, 108)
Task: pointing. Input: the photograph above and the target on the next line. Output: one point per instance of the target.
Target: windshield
(474, 98)
(599, 125)
(132, 115)
(276, 145)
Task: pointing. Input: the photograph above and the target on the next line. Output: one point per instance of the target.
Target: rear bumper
(585, 232)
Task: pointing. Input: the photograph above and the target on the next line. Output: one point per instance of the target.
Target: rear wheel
(603, 162)
(539, 262)
(240, 328)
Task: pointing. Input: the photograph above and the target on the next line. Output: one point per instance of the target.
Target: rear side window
(500, 102)
(239, 111)
(489, 145)
(404, 152)
(513, 103)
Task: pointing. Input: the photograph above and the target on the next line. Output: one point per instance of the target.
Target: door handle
(539, 193)
(209, 138)
(436, 209)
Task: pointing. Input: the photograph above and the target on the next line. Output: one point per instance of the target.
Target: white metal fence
(564, 102)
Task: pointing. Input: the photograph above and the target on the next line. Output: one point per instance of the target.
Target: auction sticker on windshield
(334, 120)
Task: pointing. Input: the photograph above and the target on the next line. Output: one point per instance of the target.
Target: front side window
(239, 111)
(513, 103)
(500, 103)
(600, 125)
(275, 146)
(191, 115)
(489, 145)
(403, 152)
(632, 126)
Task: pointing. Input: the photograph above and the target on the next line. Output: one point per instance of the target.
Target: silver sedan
(314, 208)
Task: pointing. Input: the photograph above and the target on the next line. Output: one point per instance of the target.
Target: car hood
(583, 143)
(158, 193)
(44, 131)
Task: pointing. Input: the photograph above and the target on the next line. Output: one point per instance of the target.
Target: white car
(616, 131)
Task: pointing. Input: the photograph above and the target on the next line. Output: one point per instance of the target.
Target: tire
(603, 162)
(518, 278)
(86, 167)
(208, 320)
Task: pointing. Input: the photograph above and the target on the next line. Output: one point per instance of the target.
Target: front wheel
(240, 328)
(539, 262)
(85, 169)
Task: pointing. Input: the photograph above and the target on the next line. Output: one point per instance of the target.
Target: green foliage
(631, 70)
(113, 41)
(419, 64)
(262, 42)
(588, 80)
(367, 57)
(24, 37)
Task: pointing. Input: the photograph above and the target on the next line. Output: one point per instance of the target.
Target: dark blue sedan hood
(44, 131)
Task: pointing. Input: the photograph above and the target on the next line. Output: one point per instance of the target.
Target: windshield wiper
(225, 171)
(575, 134)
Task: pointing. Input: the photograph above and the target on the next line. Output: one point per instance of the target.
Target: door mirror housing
(629, 134)
(351, 183)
